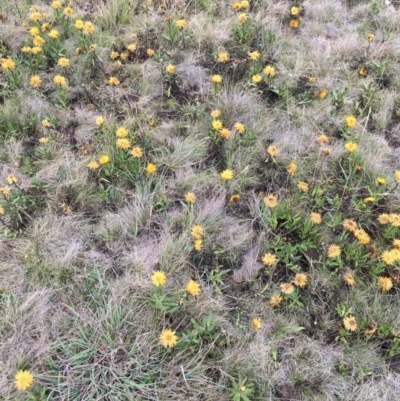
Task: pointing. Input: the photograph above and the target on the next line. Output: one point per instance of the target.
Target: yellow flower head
(151, 168)
(170, 69)
(287, 288)
(225, 133)
(79, 24)
(223, 56)
(99, 120)
(313, 80)
(113, 81)
(46, 123)
(370, 37)
(234, 198)
(168, 338)
(350, 121)
(5, 191)
(197, 232)
(131, 47)
(334, 251)
(35, 16)
(121, 132)
(35, 81)
(198, 245)
(363, 71)
(269, 71)
(384, 218)
(350, 323)
(256, 79)
(244, 4)
(1, 210)
(180, 24)
(236, 6)
(254, 55)
(384, 283)
(239, 127)
(322, 94)
(193, 288)
(93, 165)
(300, 280)
(315, 218)
(275, 300)
(269, 259)
(63, 62)
(273, 150)
(217, 125)
(295, 10)
(242, 18)
(23, 379)
(396, 244)
(350, 225)
(68, 11)
(362, 236)
(349, 279)
(217, 79)
(158, 278)
(8, 64)
(322, 139)
(303, 186)
(59, 80)
(26, 49)
(11, 179)
(88, 28)
(190, 197)
(227, 175)
(387, 258)
(44, 140)
(34, 31)
(56, 5)
(123, 143)
(114, 55)
(256, 324)
(350, 147)
(53, 34)
(46, 26)
(104, 159)
(380, 181)
(271, 201)
(136, 152)
(124, 55)
(397, 176)
(291, 168)
(294, 23)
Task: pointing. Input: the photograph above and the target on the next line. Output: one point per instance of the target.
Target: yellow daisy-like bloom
(397, 176)
(370, 37)
(350, 147)
(35, 16)
(8, 64)
(350, 323)
(349, 279)
(217, 125)
(26, 49)
(198, 245)
(334, 251)
(294, 23)
(36, 50)
(46, 26)
(315, 218)
(92, 47)
(275, 300)
(239, 127)
(158, 278)
(325, 151)
(387, 258)
(223, 57)
(322, 139)
(123, 143)
(271, 201)
(380, 181)
(35, 81)
(350, 225)
(99, 120)
(227, 175)
(225, 133)
(215, 113)
(273, 150)
(242, 18)
(236, 6)
(180, 24)
(23, 379)
(295, 10)
(269, 259)
(322, 94)
(44, 140)
(384, 218)
(395, 219)
(396, 243)
(88, 28)
(362, 236)
(121, 132)
(79, 24)
(11, 179)
(303, 186)
(244, 4)
(363, 71)
(34, 31)
(313, 80)
(291, 168)
(197, 232)
(269, 71)
(370, 199)
(350, 121)
(113, 81)
(53, 34)
(131, 47)
(217, 79)
(63, 62)
(136, 152)
(56, 5)
(254, 55)
(150, 52)
(170, 69)
(59, 80)
(371, 329)
(193, 288)
(234, 198)
(300, 280)
(384, 283)
(104, 159)
(39, 41)
(287, 288)
(68, 11)
(5, 191)
(190, 197)
(93, 165)
(256, 79)
(256, 324)
(1, 210)
(151, 168)
(114, 55)
(168, 338)
(46, 123)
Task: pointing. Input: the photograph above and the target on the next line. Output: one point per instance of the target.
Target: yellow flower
(350, 147)
(46, 26)
(244, 4)
(349, 279)
(227, 175)
(121, 132)
(350, 121)
(93, 165)
(294, 23)
(124, 55)
(217, 79)
(370, 37)
(254, 55)
(79, 24)
(168, 338)
(63, 62)
(322, 93)
(269, 259)
(325, 151)
(334, 251)
(303, 186)
(136, 152)
(35, 16)
(8, 64)
(123, 143)
(291, 168)
(181, 23)
(287, 288)
(223, 57)
(99, 120)
(131, 47)
(88, 28)
(270, 200)
(322, 139)
(35, 81)
(363, 71)
(236, 6)
(395, 219)
(225, 133)
(104, 159)
(256, 324)
(384, 218)
(193, 288)
(275, 300)
(217, 125)
(362, 236)
(300, 280)
(269, 71)
(313, 80)
(350, 323)
(273, 150)
(387, 258)
(256, 79)
(295, 10)
(53, 34)
(170, 69)
(26, 49)
(197, 232)
(151, 168)
(158, 278)
(5, 191)
(234, 198)
(68, 11)
(315, 218)
(23, 379)
(56, 5)
(114, 55)
(350, 225)
(371, 329)
(59, 80)
(190, 197)
(113, 81)
(239, 127)
(44, 140)
(370, 199)
(397, 176)
(46, 123)
(11, 179)
(34, 31)
(396, 243)
(38, 40)
(384, 283)
(198, 245)
(1, 210)
(242, 18)
(36, 50)
(215, 113)
(380, 181)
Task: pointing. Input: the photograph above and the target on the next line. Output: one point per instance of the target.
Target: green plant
(241, 389)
